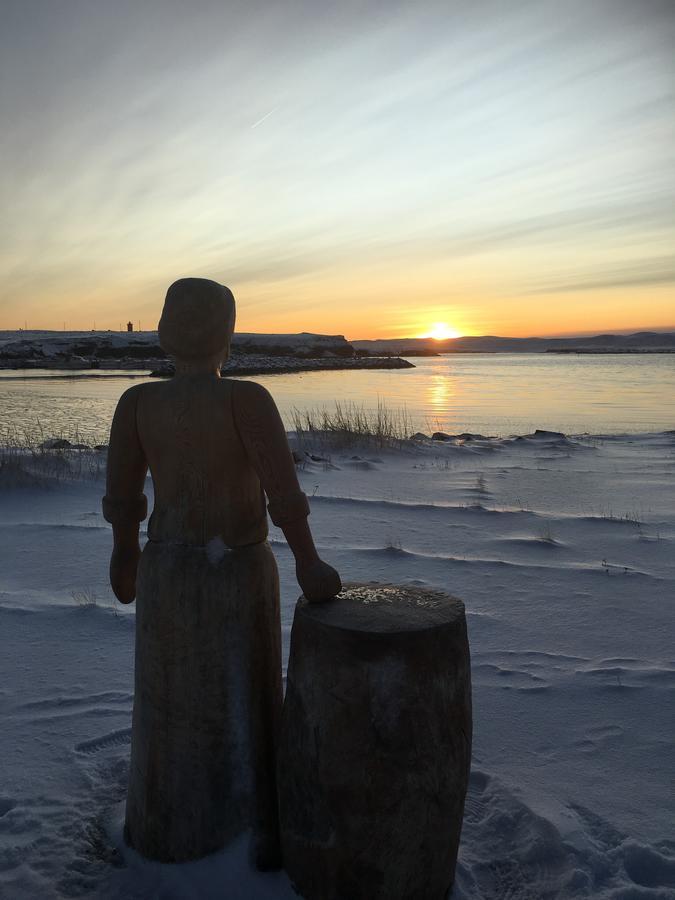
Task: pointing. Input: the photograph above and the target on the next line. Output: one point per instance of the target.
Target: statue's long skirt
(207, 700)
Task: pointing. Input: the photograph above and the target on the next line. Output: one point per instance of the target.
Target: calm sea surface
(496, 394)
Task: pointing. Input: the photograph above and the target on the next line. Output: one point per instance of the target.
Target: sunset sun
(441, 331)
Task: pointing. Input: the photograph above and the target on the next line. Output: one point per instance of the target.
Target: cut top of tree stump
(385, 609)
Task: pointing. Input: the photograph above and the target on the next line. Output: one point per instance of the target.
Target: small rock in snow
(55, 444)
(540, 433)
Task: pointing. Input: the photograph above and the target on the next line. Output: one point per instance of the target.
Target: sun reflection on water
(440, 399)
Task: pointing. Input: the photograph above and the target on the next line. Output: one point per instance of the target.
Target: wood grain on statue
(208, 663)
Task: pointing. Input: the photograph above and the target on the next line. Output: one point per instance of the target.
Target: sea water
(489, 393)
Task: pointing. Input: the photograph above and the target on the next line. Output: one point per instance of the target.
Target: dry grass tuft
(29, 459)
(349, 425)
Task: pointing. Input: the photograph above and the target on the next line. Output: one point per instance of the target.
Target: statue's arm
(264, 437)
(125, 504)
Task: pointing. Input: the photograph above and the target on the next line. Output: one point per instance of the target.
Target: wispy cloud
(660, 270)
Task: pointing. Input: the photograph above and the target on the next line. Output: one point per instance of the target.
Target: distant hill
(641, 340)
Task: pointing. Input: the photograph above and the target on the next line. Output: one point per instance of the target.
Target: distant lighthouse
(130, 326)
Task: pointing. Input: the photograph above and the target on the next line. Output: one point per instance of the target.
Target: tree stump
(376, 744)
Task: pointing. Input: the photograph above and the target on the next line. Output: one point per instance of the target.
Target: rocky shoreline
(279, 365)
(242, 366)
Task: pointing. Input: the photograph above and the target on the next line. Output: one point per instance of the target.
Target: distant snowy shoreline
(252, 354)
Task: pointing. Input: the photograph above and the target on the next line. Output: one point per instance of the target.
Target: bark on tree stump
(376, 744)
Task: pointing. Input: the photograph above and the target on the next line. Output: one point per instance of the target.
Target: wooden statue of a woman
(208, 663)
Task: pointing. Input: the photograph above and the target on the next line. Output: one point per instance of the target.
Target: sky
(368, 169)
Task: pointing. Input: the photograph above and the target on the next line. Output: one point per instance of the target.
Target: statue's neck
(198, 367)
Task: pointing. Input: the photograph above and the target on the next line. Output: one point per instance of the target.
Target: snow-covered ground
(563, 550)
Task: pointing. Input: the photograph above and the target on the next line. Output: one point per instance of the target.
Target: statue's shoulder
(133, 394)
(250, 393)
(130, 396)
(253, 406)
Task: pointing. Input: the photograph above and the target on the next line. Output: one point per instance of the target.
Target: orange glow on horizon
(356, 304)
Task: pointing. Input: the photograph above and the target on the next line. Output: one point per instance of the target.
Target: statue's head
(197, 320)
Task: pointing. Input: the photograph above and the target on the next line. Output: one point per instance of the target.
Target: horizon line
(529, 337)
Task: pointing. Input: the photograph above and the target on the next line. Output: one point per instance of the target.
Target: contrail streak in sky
(260, 121)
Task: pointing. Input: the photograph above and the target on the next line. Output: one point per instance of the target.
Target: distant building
(130, 326)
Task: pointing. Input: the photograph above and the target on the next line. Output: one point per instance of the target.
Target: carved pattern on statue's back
(191, 478)
(206, 487)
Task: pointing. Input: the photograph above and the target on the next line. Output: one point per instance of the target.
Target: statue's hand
(318, 580)
(123, 569)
